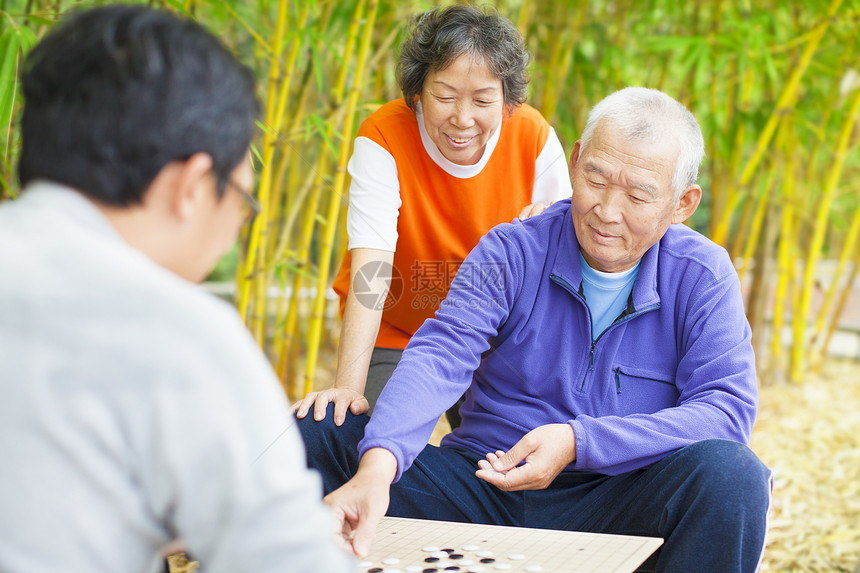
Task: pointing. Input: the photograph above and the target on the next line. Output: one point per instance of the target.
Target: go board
(418, 546)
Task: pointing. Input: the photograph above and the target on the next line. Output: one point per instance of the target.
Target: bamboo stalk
(845, 255)
(315, 329)
(552, 79)
(761, 206)
(290, 350)
(523, 17)
(246, 272)
(786, 236)
(263, 270)
(783, 105)
(820, 137)
(843, 300)
(819, 229)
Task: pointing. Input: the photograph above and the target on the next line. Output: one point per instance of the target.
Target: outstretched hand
(342, 398)
(360, 503)
(546, 450)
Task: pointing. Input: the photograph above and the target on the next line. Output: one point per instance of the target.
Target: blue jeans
(708, 501)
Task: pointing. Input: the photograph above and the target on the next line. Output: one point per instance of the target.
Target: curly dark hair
(439, 36)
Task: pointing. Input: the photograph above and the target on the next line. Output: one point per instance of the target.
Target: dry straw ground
(810, 436)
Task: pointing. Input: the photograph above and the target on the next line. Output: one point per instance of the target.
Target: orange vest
(442, 217)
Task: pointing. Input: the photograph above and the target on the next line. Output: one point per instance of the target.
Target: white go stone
(484, 553)
(391, 561)
(414, 569)
(430, 548)
(476, 568)
(470, 547)
(439, 555)
(363, 564)
(465, 562)
(503, 566)
(516, 556)
(391, 571)
(533, 568)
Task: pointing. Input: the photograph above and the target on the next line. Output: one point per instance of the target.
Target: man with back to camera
(135, 409)
(608, 366)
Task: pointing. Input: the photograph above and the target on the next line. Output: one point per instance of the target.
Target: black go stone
(375, 570)
(448, 551)
(488, 560)
(452, 568)
(431, 559)
(455, 556)
(430, 570)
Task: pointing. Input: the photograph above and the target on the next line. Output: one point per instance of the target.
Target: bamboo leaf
(10, 42)
(281, 268)
(318, 67)
(321, 128)
(255, 153)
(179, 6)
(28, 39)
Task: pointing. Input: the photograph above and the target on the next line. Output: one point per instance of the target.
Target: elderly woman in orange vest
(431, 174)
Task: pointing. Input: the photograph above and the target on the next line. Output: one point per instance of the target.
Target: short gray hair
(643, 114)
(438, 37)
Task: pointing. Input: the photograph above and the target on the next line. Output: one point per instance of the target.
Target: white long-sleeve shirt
(135, 409)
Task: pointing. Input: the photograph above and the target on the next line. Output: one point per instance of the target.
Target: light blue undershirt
(606, 294)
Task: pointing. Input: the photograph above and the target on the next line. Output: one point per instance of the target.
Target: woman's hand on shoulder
(342, 398)
(532, 210)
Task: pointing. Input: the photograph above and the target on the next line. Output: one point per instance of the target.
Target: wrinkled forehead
(648, 154)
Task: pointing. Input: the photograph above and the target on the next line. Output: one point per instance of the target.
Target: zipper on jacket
(590, 364)
(622, 319)
(567, 286)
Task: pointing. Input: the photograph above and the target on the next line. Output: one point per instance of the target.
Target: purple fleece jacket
(514, 333)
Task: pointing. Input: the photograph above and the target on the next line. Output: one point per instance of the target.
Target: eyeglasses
(252, 206)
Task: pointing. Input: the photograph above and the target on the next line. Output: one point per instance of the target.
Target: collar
(47, 196)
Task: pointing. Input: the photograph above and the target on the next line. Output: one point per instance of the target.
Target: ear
(574, 156)
(687, 204)
(191, 188)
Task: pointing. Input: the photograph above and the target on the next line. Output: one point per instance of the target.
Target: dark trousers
(708, 501)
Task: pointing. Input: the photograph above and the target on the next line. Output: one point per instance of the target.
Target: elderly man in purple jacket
(606, 359)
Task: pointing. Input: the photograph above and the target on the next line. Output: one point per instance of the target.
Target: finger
(344, 543)
(498, 479)
(519, 478)
(537, 209)
(485, 465)
(516, 455)
(304, 404)
(365, 531)
(359, 406)
(494, 462)
(340, 406)
(320, 405)
(524, 214)
(344, 533)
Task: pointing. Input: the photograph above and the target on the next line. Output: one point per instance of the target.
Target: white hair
(643, 114)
